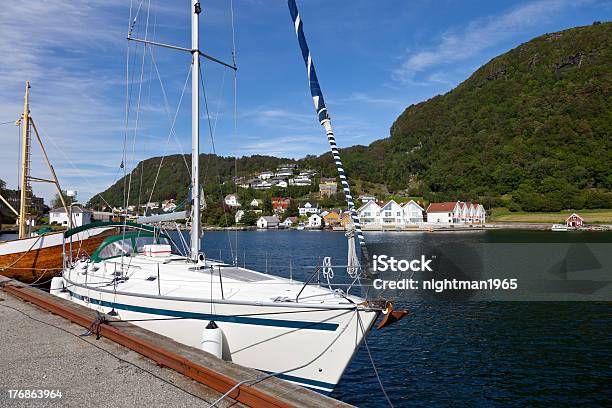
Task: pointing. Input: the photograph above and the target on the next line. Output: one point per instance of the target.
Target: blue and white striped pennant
(321, 109)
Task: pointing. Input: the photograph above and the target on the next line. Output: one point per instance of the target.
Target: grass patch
(599, 216)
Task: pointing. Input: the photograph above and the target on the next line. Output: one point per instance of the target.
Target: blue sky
(374, 58)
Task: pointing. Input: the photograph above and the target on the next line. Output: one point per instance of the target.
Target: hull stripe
(305, 381)
(218, 318)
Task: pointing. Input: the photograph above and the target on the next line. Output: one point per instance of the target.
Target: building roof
(270, 218)
(75, 209)
(442, 207)
(574, 215)
(406, 204)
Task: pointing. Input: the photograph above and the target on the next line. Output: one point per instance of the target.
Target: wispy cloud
(284, 146)
(478, 36)
(365, 98)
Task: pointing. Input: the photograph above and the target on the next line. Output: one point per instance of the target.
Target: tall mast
(195, 130)
(25, 165)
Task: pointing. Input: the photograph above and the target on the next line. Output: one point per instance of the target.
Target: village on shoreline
(243, 211)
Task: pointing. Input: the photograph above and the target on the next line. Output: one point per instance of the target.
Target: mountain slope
(534, 123)
(531, 130)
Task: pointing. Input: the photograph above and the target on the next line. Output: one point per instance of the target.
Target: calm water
(481, 354)
(457, 353)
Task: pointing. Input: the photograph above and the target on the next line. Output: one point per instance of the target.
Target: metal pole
(195, 130)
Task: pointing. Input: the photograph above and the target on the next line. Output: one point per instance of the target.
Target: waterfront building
(456, 212)
(268, 221)
(574, 221)
(290, 222)
(315, 221)
(80, 216)
(331, 219)
(369, 213)
(412, 212)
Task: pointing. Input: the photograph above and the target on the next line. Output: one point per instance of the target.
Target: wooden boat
(39, 258)
(33, 258)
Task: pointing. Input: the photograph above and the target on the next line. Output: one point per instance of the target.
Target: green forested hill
(531, 130)
(533, 124)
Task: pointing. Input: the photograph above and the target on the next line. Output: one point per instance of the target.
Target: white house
(231, 200)
(238, 216)
(413, 213)
(80, 216)
(284, 173)
(443, 213)
(365, 198)
(289, 222)
(282, 184)
(457, 212)
(391, 213)
(265, 175)
(300, 181)
(308, 208)
(315, 221)
(369, 213)
(266, 222)
(262, 185)
(256, 203)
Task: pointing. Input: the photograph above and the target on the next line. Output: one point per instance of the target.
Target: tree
(57, 201)
(293, 209)
(249, 218)
(267, 206)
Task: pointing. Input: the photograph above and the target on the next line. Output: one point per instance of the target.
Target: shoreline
(432, 228)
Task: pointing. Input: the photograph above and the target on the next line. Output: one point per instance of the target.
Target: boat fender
(212, 340)
(57, 288)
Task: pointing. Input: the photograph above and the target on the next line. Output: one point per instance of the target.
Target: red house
(574, 221)
(280, 204)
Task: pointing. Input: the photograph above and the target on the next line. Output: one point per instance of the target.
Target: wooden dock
(42, 347)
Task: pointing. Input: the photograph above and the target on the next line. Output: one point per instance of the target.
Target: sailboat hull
(309, 346)
(36, 259)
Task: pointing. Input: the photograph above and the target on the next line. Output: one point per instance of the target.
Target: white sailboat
(303, 333)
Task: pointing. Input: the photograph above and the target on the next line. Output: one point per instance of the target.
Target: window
(142, 241)
(117, 248)
(399, 213)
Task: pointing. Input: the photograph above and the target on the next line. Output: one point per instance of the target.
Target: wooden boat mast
(24, 184)
(25, 165)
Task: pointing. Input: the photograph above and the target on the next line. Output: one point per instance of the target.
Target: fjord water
(455, 353)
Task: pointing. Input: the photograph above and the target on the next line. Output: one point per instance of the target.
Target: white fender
(57, 288)
(212, 340)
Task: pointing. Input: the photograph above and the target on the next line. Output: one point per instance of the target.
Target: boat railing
(287, 265)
